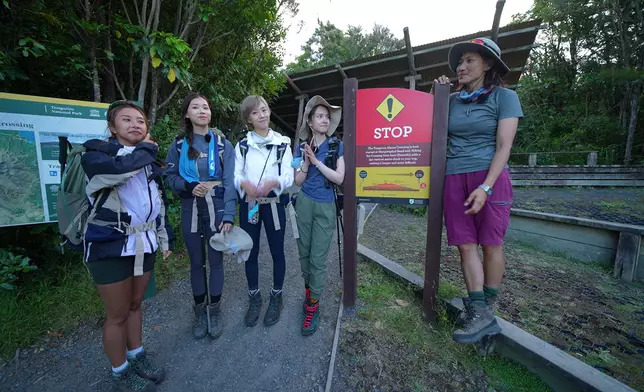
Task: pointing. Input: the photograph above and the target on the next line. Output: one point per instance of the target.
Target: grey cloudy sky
(428, 20)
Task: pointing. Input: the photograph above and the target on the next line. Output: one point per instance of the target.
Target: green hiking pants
(315, 224)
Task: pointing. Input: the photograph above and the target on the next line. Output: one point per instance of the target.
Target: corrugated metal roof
(390, 70)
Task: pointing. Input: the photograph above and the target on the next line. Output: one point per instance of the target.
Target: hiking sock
(215, 299)
(253, 292)
(131, 354)
(477, 297)
(199, 299)
(121, 368)
(490, 292)
(275, 292)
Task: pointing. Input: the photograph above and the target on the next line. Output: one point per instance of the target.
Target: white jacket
(256, 157)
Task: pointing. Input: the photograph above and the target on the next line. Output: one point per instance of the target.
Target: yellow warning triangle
(390, 107)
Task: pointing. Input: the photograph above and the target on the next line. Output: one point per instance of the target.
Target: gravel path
(621, 205)
(242, 359)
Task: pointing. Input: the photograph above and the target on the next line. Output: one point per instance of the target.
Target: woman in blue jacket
(126, 227)
(201, 166)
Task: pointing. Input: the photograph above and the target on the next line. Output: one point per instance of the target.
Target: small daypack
(281, 150)
(72, 204)
(220, 143)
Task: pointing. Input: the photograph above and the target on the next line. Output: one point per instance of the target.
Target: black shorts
(117, 269)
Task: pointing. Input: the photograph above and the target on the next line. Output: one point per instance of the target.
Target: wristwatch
(486, 188)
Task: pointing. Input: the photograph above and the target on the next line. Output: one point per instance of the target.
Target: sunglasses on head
(121, 102)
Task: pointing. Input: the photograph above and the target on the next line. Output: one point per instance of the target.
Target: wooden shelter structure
(413, 67)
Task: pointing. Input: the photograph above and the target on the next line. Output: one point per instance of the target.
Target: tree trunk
(632, 125)
(145, 67)
(154, 97)
(96, 82)
(108, 85)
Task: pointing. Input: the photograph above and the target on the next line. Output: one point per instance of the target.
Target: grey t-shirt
(472, 129)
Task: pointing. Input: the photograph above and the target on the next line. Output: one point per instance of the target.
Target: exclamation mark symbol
(390, 104)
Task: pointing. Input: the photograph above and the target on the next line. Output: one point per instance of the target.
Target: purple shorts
(488, 227)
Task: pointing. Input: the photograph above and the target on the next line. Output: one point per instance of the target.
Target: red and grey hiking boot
(311, 319)
(307, 299)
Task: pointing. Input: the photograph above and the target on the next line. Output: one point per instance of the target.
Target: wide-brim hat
(236, 242)
(335, 114)
(480, 45)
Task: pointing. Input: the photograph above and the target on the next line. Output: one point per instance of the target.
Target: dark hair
(187, 130)
(492, 77)
(310, 116)
(116, 107)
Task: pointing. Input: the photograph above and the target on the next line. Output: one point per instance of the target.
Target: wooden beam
(280, 119)
(497, 19)
(300, 113)
(292, 83)
(339, 68)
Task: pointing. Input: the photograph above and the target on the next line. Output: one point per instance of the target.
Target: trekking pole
(202, 234)
(339, 224)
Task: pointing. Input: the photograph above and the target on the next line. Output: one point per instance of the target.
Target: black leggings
(275, 242)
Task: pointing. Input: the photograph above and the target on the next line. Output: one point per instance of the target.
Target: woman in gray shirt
(483, 119)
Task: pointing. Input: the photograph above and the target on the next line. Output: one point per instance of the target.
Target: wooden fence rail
(597, 176)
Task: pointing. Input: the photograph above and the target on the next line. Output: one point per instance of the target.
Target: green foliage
(225, 49)
(576, 92)
(330, 45)
(11, 266)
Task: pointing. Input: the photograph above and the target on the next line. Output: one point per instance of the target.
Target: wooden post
(497, 20)
(435, 208)
(300, 113)
(413, 77)
(350, 276)
(532, 160)
(592, 159)
(627, 257)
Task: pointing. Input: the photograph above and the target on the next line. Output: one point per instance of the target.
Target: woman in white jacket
(262, 173)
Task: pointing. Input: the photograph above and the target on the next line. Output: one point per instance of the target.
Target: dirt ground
(388, 347)
(577, 307)
(621, 205)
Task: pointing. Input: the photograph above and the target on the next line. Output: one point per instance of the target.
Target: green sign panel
(30, 171)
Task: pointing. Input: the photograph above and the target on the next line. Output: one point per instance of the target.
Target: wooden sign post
(395, 143)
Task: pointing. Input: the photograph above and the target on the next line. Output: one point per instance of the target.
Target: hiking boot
(216, 323)
(129, 381)
(479, 323)
(254, 308)
(464, 314)
(492, 303)
(311, 319)
(274, 308)
(145, 368)
(307, 298)
(200, 326)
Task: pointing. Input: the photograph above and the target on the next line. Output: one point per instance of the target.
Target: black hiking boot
(254, 308)
(479, 323)
(465, 313)
(216, 323)
(200, 326)
(274, 308)
(129, 381)
(145, 368)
